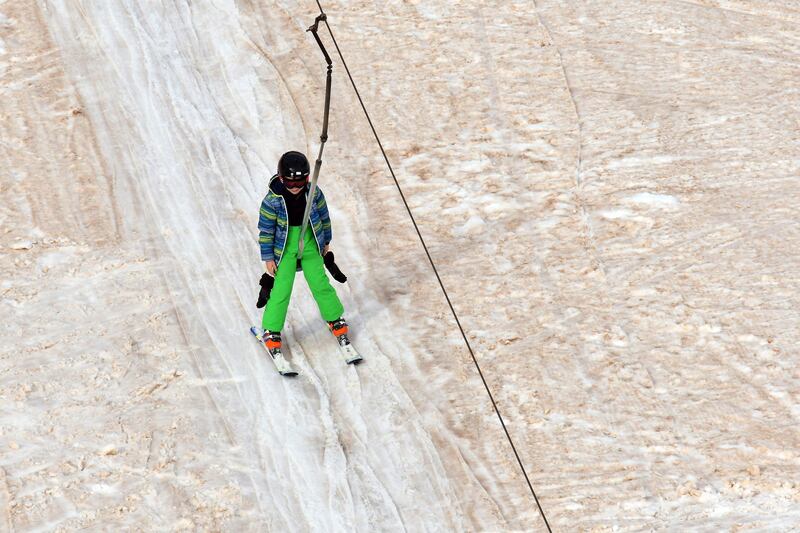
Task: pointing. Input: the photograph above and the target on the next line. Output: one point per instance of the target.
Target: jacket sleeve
(325, 218)
(267, 221)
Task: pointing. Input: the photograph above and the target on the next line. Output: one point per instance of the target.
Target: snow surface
(609, 191)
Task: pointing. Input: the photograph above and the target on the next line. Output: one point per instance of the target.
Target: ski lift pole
(324, 137)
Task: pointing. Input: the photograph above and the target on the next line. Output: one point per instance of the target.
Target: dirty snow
(608, 189)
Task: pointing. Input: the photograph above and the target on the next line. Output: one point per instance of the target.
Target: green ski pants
(330, 307)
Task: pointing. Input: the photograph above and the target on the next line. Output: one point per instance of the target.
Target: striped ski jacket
(273, 222)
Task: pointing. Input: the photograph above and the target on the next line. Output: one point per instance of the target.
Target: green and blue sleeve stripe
(267, 220)
(322, 209)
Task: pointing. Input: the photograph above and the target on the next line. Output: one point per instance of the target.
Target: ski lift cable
(323, 17)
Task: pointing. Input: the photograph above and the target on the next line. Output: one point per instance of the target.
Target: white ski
(281, 364)
(350, 354)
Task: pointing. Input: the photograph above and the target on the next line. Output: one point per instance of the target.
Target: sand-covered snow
(608, 189)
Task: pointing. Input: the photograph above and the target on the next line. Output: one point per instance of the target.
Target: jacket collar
(276, 186)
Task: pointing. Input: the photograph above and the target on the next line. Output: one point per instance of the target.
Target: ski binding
(350, 354)
(283, 366)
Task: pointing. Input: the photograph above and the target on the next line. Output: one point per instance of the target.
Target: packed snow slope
(140, 144)
(608, 188)
(611, 188)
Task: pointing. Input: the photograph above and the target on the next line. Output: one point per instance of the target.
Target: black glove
(266, 283)
(333, 269)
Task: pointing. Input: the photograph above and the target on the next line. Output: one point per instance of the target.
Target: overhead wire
(436, 272)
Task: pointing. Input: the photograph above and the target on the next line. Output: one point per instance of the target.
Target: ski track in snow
(197, 118)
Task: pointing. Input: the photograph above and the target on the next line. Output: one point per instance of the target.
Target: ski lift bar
(313, 29)
(324, 137)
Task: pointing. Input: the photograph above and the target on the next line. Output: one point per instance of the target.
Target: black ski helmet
(293, 165)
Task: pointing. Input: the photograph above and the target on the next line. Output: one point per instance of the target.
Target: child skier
(279, 224)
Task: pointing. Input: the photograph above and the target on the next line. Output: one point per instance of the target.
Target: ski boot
(339, 329)
(272, 341)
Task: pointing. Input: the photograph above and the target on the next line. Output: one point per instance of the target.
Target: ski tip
(289, 374)
(356, 361)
